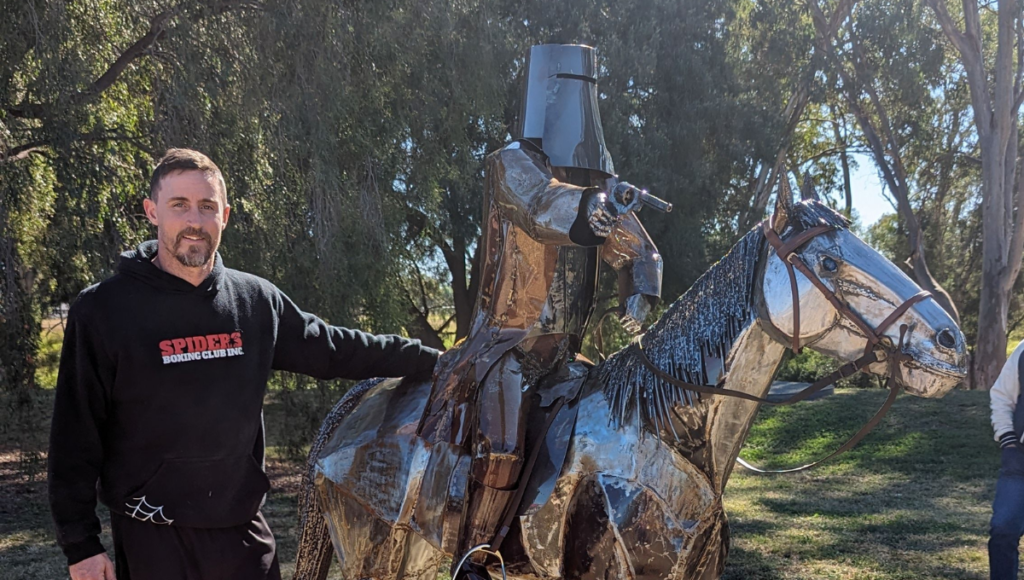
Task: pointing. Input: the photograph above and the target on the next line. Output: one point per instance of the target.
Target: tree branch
(969, 46)
(23, 151)
(136, 50)
(157, 28)
(958, 38)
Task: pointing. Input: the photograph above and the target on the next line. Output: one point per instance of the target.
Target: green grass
(911, 501)
(50, 341)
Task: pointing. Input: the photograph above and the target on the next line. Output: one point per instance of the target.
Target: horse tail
(313, 560)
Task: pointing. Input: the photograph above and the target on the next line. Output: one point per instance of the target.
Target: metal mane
(703, 323)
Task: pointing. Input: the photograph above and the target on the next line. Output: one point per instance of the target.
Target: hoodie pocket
(201, 493)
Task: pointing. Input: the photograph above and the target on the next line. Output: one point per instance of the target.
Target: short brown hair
(185, 160)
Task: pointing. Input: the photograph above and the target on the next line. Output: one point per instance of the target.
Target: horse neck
(714, 323)
(711, 431)
(752, 363)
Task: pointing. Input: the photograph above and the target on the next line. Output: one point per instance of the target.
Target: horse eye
(829, 264)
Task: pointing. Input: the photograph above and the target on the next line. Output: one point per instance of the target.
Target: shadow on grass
(750, 565)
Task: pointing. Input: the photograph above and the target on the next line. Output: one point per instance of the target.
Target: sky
(868, 198)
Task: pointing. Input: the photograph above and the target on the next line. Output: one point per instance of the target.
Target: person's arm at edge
(75, 455)
(308, 345)
(1003, 400)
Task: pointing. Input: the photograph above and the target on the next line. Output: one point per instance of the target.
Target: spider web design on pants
(147, 513)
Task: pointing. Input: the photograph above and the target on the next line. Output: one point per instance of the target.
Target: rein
(891, 355)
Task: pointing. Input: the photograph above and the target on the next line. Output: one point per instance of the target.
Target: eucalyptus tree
(990, 46)
(886, 62)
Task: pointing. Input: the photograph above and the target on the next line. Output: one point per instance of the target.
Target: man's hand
(637, 309)
(600, 214)
(1008, 440)
(98, 567)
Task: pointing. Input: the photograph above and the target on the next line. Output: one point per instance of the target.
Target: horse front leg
(619, 529)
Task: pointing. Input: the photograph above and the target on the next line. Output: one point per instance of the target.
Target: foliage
(352, 138)
(809, 366)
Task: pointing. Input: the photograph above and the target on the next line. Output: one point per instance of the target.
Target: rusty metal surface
(639, 493)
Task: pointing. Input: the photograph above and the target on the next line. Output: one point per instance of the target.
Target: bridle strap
(787, 253)
(901, 309)
(848, 369)
(786, 249)
(894, 391)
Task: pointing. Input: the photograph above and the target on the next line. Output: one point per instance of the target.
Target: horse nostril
(946, 338)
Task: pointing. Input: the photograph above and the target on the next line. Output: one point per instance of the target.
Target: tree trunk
(464, 284)
(995, 105)
(768, 175)
(998, 272)
(19, 329)
(419, 327)
(844, 161)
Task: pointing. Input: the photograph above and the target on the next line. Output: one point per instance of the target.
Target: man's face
(189, 213)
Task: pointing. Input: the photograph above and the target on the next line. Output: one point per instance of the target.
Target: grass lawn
(911, 501)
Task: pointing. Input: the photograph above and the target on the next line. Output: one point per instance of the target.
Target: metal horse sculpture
(639, 494)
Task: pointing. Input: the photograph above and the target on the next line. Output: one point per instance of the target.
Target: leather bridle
(892, 355)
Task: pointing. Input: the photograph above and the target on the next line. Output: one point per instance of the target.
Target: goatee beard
(194, 256)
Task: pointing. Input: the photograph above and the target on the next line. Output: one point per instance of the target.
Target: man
(1008, 507)
(160, 392)
(547, 220)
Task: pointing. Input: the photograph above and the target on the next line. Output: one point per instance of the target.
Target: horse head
(866, 290)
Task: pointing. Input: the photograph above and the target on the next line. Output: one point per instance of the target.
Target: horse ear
(783, 204)
(807, 190)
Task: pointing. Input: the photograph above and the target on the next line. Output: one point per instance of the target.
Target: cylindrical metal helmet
(559, 110)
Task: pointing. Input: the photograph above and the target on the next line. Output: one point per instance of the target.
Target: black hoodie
(160, 392)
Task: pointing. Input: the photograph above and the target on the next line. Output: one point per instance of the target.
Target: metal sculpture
(553, 212)
(639, 491)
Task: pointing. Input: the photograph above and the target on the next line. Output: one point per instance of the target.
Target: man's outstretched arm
(308, 345)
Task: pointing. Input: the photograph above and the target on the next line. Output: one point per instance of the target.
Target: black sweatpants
(148, 551)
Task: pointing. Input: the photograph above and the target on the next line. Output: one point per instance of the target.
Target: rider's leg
(497, 450)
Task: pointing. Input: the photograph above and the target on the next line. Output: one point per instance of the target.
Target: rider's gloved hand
(637, 307)
(601, 215)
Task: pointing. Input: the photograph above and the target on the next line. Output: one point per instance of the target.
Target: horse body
(642, 518)
(639, 494)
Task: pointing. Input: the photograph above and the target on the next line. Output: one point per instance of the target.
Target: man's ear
(150, 207)
(227, 214)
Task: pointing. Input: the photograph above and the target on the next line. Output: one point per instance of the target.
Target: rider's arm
(75, 456)
(537, 203)
(630, 251)
(308, 345)
(1003, 400)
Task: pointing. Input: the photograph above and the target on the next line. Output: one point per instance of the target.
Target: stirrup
(461, 574)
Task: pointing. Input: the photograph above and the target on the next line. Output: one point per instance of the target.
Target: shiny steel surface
(874, 290)
(537, 293)
(560, 109)
(537, 287)
(639, 493)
